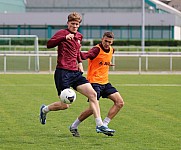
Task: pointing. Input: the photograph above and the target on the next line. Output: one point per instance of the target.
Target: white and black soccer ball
(68, 96)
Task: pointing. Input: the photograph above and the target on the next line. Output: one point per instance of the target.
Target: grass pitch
(150, 119)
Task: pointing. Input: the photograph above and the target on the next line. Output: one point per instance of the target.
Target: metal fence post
(139, 64)
(4, 63)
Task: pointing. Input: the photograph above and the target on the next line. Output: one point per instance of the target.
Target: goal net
(19, 53)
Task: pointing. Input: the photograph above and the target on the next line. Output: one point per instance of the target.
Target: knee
(64, 106)
(67, 106)
(119, 103)
(92, 96)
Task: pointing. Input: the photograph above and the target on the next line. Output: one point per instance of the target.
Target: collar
(105, 50)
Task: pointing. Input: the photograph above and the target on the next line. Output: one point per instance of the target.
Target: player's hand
(80, 67)
(112, 65)
(69, 36)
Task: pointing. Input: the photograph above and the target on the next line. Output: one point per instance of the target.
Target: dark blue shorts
(103, 90)
(67, 78)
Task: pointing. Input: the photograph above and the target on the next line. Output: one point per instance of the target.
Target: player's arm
(79, 60)
(80, 67)
(111, 63)
(91, 54)
(56, 39)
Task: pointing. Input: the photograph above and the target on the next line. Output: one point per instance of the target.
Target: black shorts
(67, 78)
(103, 90)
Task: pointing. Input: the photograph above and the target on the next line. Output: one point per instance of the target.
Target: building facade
(124, 18)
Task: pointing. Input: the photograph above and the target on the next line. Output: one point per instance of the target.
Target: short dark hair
(109, 34)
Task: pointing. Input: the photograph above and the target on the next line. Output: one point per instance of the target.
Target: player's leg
(74, 127)
(60, 85)
(55, 107)
(118, 104)
(117, 99)
(85, 114)
(88, 111)
(51, 107)
(88, 91)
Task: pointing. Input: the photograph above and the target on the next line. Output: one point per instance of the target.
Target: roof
(10, 6)
(162, 7)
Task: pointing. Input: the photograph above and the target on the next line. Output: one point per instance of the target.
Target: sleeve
(79, 59)
(56, 39)
(91, 54)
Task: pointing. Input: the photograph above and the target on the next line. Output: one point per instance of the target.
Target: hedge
(88, 43)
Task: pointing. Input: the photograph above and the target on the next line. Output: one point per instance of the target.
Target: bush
(117, 42)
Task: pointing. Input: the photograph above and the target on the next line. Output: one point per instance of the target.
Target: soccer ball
(68, 96)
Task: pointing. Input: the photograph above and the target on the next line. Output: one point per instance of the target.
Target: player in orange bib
(99, 61)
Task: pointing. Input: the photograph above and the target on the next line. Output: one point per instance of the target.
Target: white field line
(167, 85)
(26, 85)
(131, 85)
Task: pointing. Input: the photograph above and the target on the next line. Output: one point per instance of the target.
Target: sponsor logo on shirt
(105, 63)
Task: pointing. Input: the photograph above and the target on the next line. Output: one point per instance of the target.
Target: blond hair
(74, 16)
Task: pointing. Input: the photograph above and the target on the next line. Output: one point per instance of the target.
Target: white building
(123, 17)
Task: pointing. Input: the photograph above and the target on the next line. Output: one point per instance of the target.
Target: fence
(134, 62)
(126, 32)
(6, 44)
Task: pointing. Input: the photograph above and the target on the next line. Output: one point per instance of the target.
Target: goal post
(15, 43)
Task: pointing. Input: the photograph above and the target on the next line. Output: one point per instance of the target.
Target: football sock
(45, 109)
(99, 121)
(106, 121)
(76, 123)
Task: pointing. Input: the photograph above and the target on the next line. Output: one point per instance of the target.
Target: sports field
(150, 119)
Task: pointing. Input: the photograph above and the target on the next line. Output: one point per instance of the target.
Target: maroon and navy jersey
(68, 50)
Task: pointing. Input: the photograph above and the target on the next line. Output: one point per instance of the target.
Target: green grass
(150, 119)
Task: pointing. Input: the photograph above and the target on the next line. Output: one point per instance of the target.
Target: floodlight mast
(143, 27)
